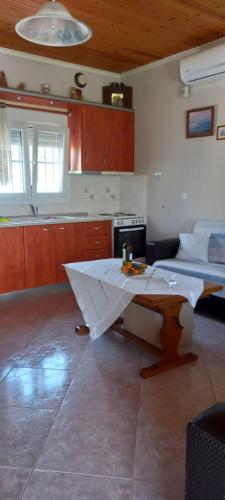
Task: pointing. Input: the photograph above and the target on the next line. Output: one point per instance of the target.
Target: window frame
(50, 197)
(25, 197)
(30, 195)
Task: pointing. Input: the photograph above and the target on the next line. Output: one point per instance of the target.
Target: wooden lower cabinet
(98, 253)
(69, 245)
(12, 268)
(98, 240)
(33, 256)
(40, 258)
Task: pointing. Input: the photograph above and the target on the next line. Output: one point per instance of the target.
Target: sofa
(147, 324)
(163, 254)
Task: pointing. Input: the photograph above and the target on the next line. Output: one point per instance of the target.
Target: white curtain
(5, 149)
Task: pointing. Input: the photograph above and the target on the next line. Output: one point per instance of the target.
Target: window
(16, 176)
(14, 181)
(48, 162)
(38, 167)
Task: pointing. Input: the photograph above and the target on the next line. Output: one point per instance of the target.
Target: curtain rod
(11, 104)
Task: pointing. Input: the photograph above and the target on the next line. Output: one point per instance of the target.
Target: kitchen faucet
(34, 210)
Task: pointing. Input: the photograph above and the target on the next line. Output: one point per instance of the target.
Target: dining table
(103, 292)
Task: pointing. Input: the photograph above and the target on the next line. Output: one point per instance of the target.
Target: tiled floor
(76, 420)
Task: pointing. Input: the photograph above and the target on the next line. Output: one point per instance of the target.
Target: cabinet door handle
(96, 228)
(45, 229)
(61, 228)
(97, 242)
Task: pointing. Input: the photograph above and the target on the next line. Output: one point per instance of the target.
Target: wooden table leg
(170, 335)
(82, 330)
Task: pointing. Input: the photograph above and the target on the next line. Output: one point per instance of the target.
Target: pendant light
(53, 26)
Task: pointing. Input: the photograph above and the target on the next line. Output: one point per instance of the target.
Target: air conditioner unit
(203, 67)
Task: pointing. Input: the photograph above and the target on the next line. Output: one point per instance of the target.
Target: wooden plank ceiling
(126, 33)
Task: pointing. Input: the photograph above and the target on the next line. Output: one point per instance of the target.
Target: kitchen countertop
(50, 219)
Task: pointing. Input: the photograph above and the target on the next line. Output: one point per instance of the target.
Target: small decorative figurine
(3, 81)
(21, 86)
(45, 88)
(75, 93)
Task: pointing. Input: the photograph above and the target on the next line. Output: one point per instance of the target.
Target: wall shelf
(28, 97)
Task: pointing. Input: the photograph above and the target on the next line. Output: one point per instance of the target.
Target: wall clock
(80, 80)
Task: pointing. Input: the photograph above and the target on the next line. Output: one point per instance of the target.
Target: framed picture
(117, 94)
(220, 133)
(200, 122)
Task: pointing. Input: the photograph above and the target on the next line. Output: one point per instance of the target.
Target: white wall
(133, 194)
(59, 75)
(193, 166)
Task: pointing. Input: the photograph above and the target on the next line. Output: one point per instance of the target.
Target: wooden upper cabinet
(118, 141)
(86, 125)
(12, 269)
(40, 259)
(69, 241)
(101, 139)
(125, 140)
(92, 138)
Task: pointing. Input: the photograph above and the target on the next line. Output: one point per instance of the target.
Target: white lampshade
(54, 26)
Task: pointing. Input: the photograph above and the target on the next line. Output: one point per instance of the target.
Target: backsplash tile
(95, 194)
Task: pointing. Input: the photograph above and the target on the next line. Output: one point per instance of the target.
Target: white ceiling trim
(168, 59)
(57, 62)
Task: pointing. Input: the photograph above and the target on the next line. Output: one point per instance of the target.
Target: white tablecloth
(103, 291)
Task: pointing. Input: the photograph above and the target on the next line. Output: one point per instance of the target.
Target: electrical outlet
(184, 196)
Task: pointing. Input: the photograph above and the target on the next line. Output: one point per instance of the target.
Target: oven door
(135, 235)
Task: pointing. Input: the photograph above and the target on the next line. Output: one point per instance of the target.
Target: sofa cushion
(193, 246)
(206, 271)
(217, 248)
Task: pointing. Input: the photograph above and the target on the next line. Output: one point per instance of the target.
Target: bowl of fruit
(133, 268)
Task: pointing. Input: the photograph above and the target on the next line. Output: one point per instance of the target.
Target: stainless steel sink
(38, 219)
(46, 218)
(31, 220)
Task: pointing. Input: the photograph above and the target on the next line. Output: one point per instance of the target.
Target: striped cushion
(217, 248)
